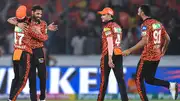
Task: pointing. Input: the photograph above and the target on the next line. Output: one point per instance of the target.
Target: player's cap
(21, 12)
(106, 10)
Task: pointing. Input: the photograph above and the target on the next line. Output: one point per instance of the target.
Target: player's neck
(108, 21)
(145, 17)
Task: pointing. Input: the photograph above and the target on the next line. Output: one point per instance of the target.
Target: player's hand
(126, 52)
(23, 26)
(52, 27)
(110, 63)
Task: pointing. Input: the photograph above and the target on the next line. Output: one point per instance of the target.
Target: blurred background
(76, 46)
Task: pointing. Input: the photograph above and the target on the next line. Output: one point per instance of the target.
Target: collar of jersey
(147, 19)
(104, 23)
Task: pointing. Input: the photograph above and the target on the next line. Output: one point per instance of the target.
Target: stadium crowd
(79, 25)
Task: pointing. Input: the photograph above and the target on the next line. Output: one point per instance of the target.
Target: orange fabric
(117, 51)
(106, 10)
(132, 83)
(17, 54)
(21, 12)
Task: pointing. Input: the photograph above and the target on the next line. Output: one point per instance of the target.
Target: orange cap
(21, 12)
(106, 10)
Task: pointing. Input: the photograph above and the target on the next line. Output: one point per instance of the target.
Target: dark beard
(36, 19)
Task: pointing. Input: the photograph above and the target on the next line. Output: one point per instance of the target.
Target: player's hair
(146, 9)
(36, 7)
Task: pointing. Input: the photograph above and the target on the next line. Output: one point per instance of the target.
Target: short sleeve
(107, 31)
(144, 30)
(117, 30)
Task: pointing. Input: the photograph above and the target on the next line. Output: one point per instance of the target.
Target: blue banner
(85, 80)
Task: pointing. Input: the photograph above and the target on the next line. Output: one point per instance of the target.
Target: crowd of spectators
(79, 25)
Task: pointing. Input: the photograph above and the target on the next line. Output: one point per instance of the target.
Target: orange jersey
(154, 31)
(35, 43)
(111, 29)
(22, 40)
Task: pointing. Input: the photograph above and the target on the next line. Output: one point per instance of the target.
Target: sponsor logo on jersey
(144, 33)
(144, 28)
(107, 33)
(106, 29)
(117, 30)
(156, 26)
(17, 29)
(41, 60)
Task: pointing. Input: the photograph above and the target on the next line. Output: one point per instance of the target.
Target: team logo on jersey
(106, 29)
(41, 60)
(144, 28)
(107, 33)
(17, 29)
(156, 26)
(117, 30)
(144, 33)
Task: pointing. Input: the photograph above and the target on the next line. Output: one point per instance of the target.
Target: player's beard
(36, 19)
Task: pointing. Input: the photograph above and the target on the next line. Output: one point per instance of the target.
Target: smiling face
(37, 14)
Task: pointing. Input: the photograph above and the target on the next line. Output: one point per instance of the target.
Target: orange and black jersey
(154, 31)
(36, 43)
(23, 39)
(111, 29)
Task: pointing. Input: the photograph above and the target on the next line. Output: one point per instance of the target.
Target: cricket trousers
(146, 71)
(37, 61)
(21, 69)
(118, 72)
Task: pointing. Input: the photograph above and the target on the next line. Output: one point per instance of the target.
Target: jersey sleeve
(163, 31)
(41, 37)
(44, 27)
(144, 30)
(117, 30)
(107, 31)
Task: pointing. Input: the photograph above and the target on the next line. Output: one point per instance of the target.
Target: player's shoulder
(116, 28)
(157, 25)
(150, 23)
(113, 26)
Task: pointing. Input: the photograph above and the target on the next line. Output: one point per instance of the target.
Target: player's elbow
(9, 20)
(167, 39)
